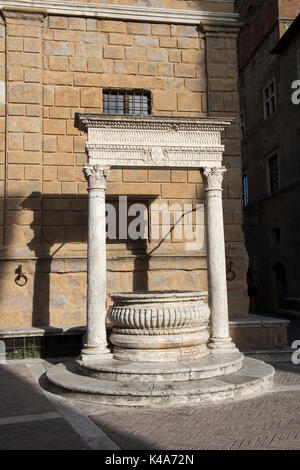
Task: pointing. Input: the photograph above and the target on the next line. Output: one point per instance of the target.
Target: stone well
(163, 351)
(159, 326)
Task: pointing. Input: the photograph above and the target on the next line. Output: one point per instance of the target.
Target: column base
(222, 346)
(92, 353)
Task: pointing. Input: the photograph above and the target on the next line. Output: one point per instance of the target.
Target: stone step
(254, 378)
(176, 371)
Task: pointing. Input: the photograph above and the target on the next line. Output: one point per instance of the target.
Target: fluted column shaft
(220, 340)
(96, 344)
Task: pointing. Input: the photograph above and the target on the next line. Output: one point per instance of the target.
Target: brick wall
(59, 65)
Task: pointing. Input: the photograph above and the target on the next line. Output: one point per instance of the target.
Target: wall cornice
(123, 12)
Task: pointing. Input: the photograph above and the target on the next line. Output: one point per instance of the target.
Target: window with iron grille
(269, 96)
(274, 173)
(135, 102)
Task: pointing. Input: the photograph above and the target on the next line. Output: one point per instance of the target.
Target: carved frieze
(130, 141)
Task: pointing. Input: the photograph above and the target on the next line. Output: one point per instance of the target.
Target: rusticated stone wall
(59, 65)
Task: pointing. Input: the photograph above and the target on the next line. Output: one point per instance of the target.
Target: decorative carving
(152, 141)
(154, 312)
(151, 327)
(96, 176)
(159, 155)
(213, 178)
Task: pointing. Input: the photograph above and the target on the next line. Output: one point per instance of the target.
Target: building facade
(58, 60)
(268, 65)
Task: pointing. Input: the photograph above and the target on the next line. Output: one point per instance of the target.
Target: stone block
(135, 53)
(24, 93)
(146, 41)
(58, 78)
(54, 126)
(147, 68)
(135, 176)
(79, 144)
(15, 172)
(32, 45)
(113, 52)
(32, 142)
(57, 22)
(32, 75)
(166, 70)
(65, 144)
(23, 124)
(50, 173)
(174, 56)
(179, 176)
(169, 43)
(193, 57)
(139, 28)
(33, 172)
(134, 189)
(15, 142)
(23, 157)
(108, 26)
(164, 100)
(120, 39)
(157, 55)
(91, 97)
(178, 191)
(184, 70)
(78, 24)
(66, 174)
(126, 67)
(161, 29)
(58, 159)
(59, 64)
(15, 44)
(184, 31)
(78, 64)
(190, 102)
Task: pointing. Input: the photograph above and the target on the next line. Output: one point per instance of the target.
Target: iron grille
(135, 102)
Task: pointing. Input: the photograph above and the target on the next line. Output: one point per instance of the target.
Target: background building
(269, 58)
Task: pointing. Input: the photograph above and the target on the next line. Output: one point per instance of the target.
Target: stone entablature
(130, 141)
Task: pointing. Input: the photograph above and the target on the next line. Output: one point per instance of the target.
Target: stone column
(220, 341)
(96, 345)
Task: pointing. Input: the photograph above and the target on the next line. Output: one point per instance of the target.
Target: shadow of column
(41, 286)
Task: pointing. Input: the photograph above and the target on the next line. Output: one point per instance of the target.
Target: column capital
(213, 178)
(96, 175)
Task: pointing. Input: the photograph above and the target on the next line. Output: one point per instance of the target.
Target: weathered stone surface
(253, 379)
(156, 327)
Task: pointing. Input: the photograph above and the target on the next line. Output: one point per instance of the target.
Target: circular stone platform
(253, 378)
(204, 368)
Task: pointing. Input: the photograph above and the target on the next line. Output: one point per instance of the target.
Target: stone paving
(32, 418)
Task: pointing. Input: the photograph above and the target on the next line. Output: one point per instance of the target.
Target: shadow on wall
(59, 232)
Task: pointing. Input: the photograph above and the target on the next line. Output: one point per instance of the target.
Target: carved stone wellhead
(159, 326)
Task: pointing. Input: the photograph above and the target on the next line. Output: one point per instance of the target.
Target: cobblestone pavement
(32, 418)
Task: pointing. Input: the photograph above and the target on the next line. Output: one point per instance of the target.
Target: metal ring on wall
(21, 280)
